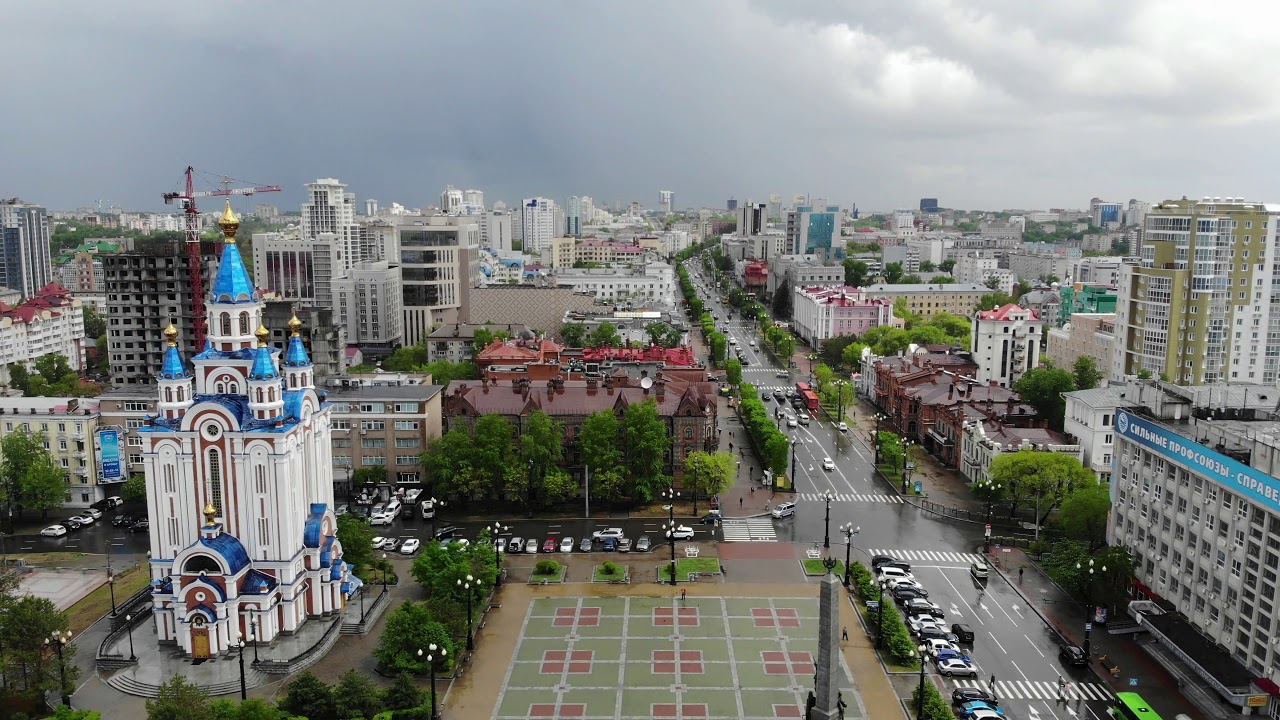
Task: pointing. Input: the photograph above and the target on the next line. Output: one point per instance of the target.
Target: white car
(566, 544)
(791, 421)
(923, 621)
(956, 666)
(382, 518)
(897, 582)
(83, 519)
(936, 644)
(378, 542)
(96, 513)
(54, 531)
(889, 572)
(615, 533)
(682, 532)
(410, 546)
(753, 343)
(115, 500)
(843, 427)
(828, 464)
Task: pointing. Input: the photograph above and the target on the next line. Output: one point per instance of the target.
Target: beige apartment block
(927, 299)
(1084, 335)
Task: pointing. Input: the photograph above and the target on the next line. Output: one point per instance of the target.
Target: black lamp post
(530, 487)
(385, 566)
(244, 691)
(906, 476)
(59, 640)
(436, 504)
(431, 663)
(794, 441)
(880, 615)
(875, 439)
(849, 532)
(670, 496)
(362, 602)
(497, 529)
(1088, 599)
(253, 632)
(991, 490)
(840, 400)
(111, 580)
(827, 496)
(128, 623)
(466, 587)
(922, 649)
(695, 488)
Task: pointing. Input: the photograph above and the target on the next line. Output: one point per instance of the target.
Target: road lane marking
(1002, 610)
(966, 602)
(1033, 645)
(997, 642)
(1015, 609)
(1050, 710)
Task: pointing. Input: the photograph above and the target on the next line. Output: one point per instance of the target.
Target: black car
(921, 606)
(964, 632)
(710, 518)
(445, 533)
(930, 633)
(122, 519)
(903, 594)
(71, 525)
(962, 695)
(765, 397)
(1072, 655)
(878, 560)
(140, 526)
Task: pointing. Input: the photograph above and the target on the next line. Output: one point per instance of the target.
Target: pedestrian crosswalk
(928, 555)
(1034, 689)
(749, 530)
(851, 497)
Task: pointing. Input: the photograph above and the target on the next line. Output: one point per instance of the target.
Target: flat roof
(384, 392)
(1204, 652)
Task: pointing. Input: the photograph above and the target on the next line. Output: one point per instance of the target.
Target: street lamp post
(1088, 599)
(253, 633)
(436, 504)
(362, 602)
(794, 441)
(466, 587)
(128, 623)
(906, 453)
(385, 566)
(59, 640)
(880, 614)
(849, 532)
(840, 400)
(530, 487)
(922, 649)
(431, 663)
(695, 489)
(244, 691)
(670, 496)
(497, 529)
(991, 490)
(827, 496)
(811, 357)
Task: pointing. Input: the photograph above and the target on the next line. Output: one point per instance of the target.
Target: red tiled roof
(677, 357)
(1002, 313)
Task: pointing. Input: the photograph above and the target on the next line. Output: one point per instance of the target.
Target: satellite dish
(646, 383)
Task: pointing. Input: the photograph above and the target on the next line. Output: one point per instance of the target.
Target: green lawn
(599, 574)
(551, 577)
(813, 566)
(684, 566)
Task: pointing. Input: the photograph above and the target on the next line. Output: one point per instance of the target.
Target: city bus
(1131, 706)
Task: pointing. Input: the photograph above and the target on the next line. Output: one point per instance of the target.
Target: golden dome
(229, 224)
(262, 333)
(210, 512)
(295, 325)
(171, 334)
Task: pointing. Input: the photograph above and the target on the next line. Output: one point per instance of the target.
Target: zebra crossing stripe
(1042, 690)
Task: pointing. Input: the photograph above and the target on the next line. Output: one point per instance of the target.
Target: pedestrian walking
(730, 447)
(683, 592)
(1020, 574)
(739, 503)
(844, 634)
(767, 503)
(993, 681)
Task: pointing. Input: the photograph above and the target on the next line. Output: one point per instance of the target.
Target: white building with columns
(239, 481)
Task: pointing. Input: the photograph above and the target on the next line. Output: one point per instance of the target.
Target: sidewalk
(1068, 618)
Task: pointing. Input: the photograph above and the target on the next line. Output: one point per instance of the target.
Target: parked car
(711, 518)
(903, 594)
(114, 500)
(624, 544)
(410, 546)
(951, 652)
(71, 525)
(381, 517)
(142, 525)
(921, 622)
(878, 560)
(962, 695)
(378, 542)
(549, 545)
(341, 510)
(981, 713)
(785, 509)
(124, 519)
(84, 519)
(682, 532)
(954, 666)
(585, 546)
(897, 582)
(609, 544)
(54, 531)
(930, 633)
(643, 544)
(446, 532)
(391, 544)
(922, 606)
(1072, 655)
(94, 512)
(566, 544)
(516, 545)
(531, 546)
(614, 533)
(972, 706)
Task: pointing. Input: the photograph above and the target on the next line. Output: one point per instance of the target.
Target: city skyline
(982, 106)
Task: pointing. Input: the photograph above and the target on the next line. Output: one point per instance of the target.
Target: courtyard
(663, 657)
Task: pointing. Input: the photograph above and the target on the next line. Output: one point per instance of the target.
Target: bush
(546, 567)
(862, 579)
(935, 706)
(611, 568)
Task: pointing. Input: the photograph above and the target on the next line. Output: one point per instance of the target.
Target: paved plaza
(662, 657)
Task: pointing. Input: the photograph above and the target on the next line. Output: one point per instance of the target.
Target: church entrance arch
(199, 638)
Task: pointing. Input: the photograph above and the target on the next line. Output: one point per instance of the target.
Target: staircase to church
(126, 683)
(371, 615)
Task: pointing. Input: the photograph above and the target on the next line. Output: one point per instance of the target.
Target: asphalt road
(1012, 642)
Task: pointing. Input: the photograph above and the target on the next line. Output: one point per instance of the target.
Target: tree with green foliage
(308, 696)
(823, 375)
(179, 699)
(94, 325)
(356, 695)
(444, 372)
(1039, 478)
(605, 336)
(993, 300)
(891, 450)
(935, 706)
(598, 444)
(645, 443)
(1085, 371)
(493, 455)
(368, 477)
(65, 712)
(664, 335)
(410, 628)
(134, 489)
(886, 340)
(448, 461)
(719, 347)
(25, 465)
(967, 226)
(912, 279)
(540, 448)
(407, 358)
(927, 266)
(251, 709)
(832, 349)
(947, 265)
(892, 272)
(782, 301)
(356, 537)
(707, 474)
(851, 357)
(573, 335)
(733, 372)
(856, 272)
(1083, 515)
(1042, 388)
(484, 336)
(404, 693)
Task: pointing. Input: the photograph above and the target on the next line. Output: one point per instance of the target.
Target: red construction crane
(187, 200)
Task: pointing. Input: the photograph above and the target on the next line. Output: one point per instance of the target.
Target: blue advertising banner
(109, 448)
(1231, 474)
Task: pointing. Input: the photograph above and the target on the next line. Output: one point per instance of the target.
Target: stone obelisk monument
(827, 690)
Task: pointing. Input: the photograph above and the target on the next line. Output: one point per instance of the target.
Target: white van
(888, 571)
(979, 570)
(428, 509)
(392, 508)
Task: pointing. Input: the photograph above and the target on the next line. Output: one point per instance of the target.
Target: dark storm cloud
(984, 104)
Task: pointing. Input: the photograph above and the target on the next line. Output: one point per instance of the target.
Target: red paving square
(664, 668)
(578, 661)
(773, 656)
(787, 711)
(586, 655)
(693, 668)
(552, 668)
(664, 655)
(691, 655)
(586, 617)
(785, 612)
(688, 611)
(542, 710)
(666, 617)
(573, 710)
(669, 710)
(775, 669)
(788, 622)
(547, 711)
(799, 663)
(796, 657)
(580, 667)
(554, 655)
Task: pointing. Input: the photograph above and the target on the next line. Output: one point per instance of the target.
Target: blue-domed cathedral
(239, 480)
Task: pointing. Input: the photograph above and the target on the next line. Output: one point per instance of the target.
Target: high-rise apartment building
(753, 218)
(331, 209)
(439, 265)
(1104, 212)
(367, 303)
(573, 216)
(25, 265)
(472, 202)
(815, 230)
(1199, 308)
(284, 264)
(1006, 344)
(496, 232)
(588, 213)
(538, 223)
(451, 201)
(148, 288)
(666, 200)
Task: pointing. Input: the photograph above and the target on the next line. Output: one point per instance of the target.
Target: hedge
(897, 638)
(935, 706)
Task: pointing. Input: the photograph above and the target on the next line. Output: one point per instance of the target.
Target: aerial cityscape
(713, 360)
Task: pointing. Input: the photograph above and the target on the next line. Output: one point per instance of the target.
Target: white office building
(1090, 419)
(539, 223)
(331, 209)
(367, 303)
(496, 232)
(451, 201)
(649, 284)
(439, 265)
(1006, 344)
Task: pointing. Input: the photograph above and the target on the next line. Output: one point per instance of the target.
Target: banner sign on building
(109, 450)
(1231, 474)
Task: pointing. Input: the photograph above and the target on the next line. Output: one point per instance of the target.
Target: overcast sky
(983, 104)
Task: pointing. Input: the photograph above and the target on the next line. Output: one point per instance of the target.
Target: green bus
(1131, 706)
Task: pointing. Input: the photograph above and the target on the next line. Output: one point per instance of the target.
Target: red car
(550, 545)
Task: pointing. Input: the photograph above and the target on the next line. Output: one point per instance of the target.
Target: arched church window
(233, 388)
(214, 489)
(244, 323)
(182, 395)
(168, 394)
(225, 321)
(271, 394)
(259, 394)
(221, 388)
(293, 380)
(197, 563)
